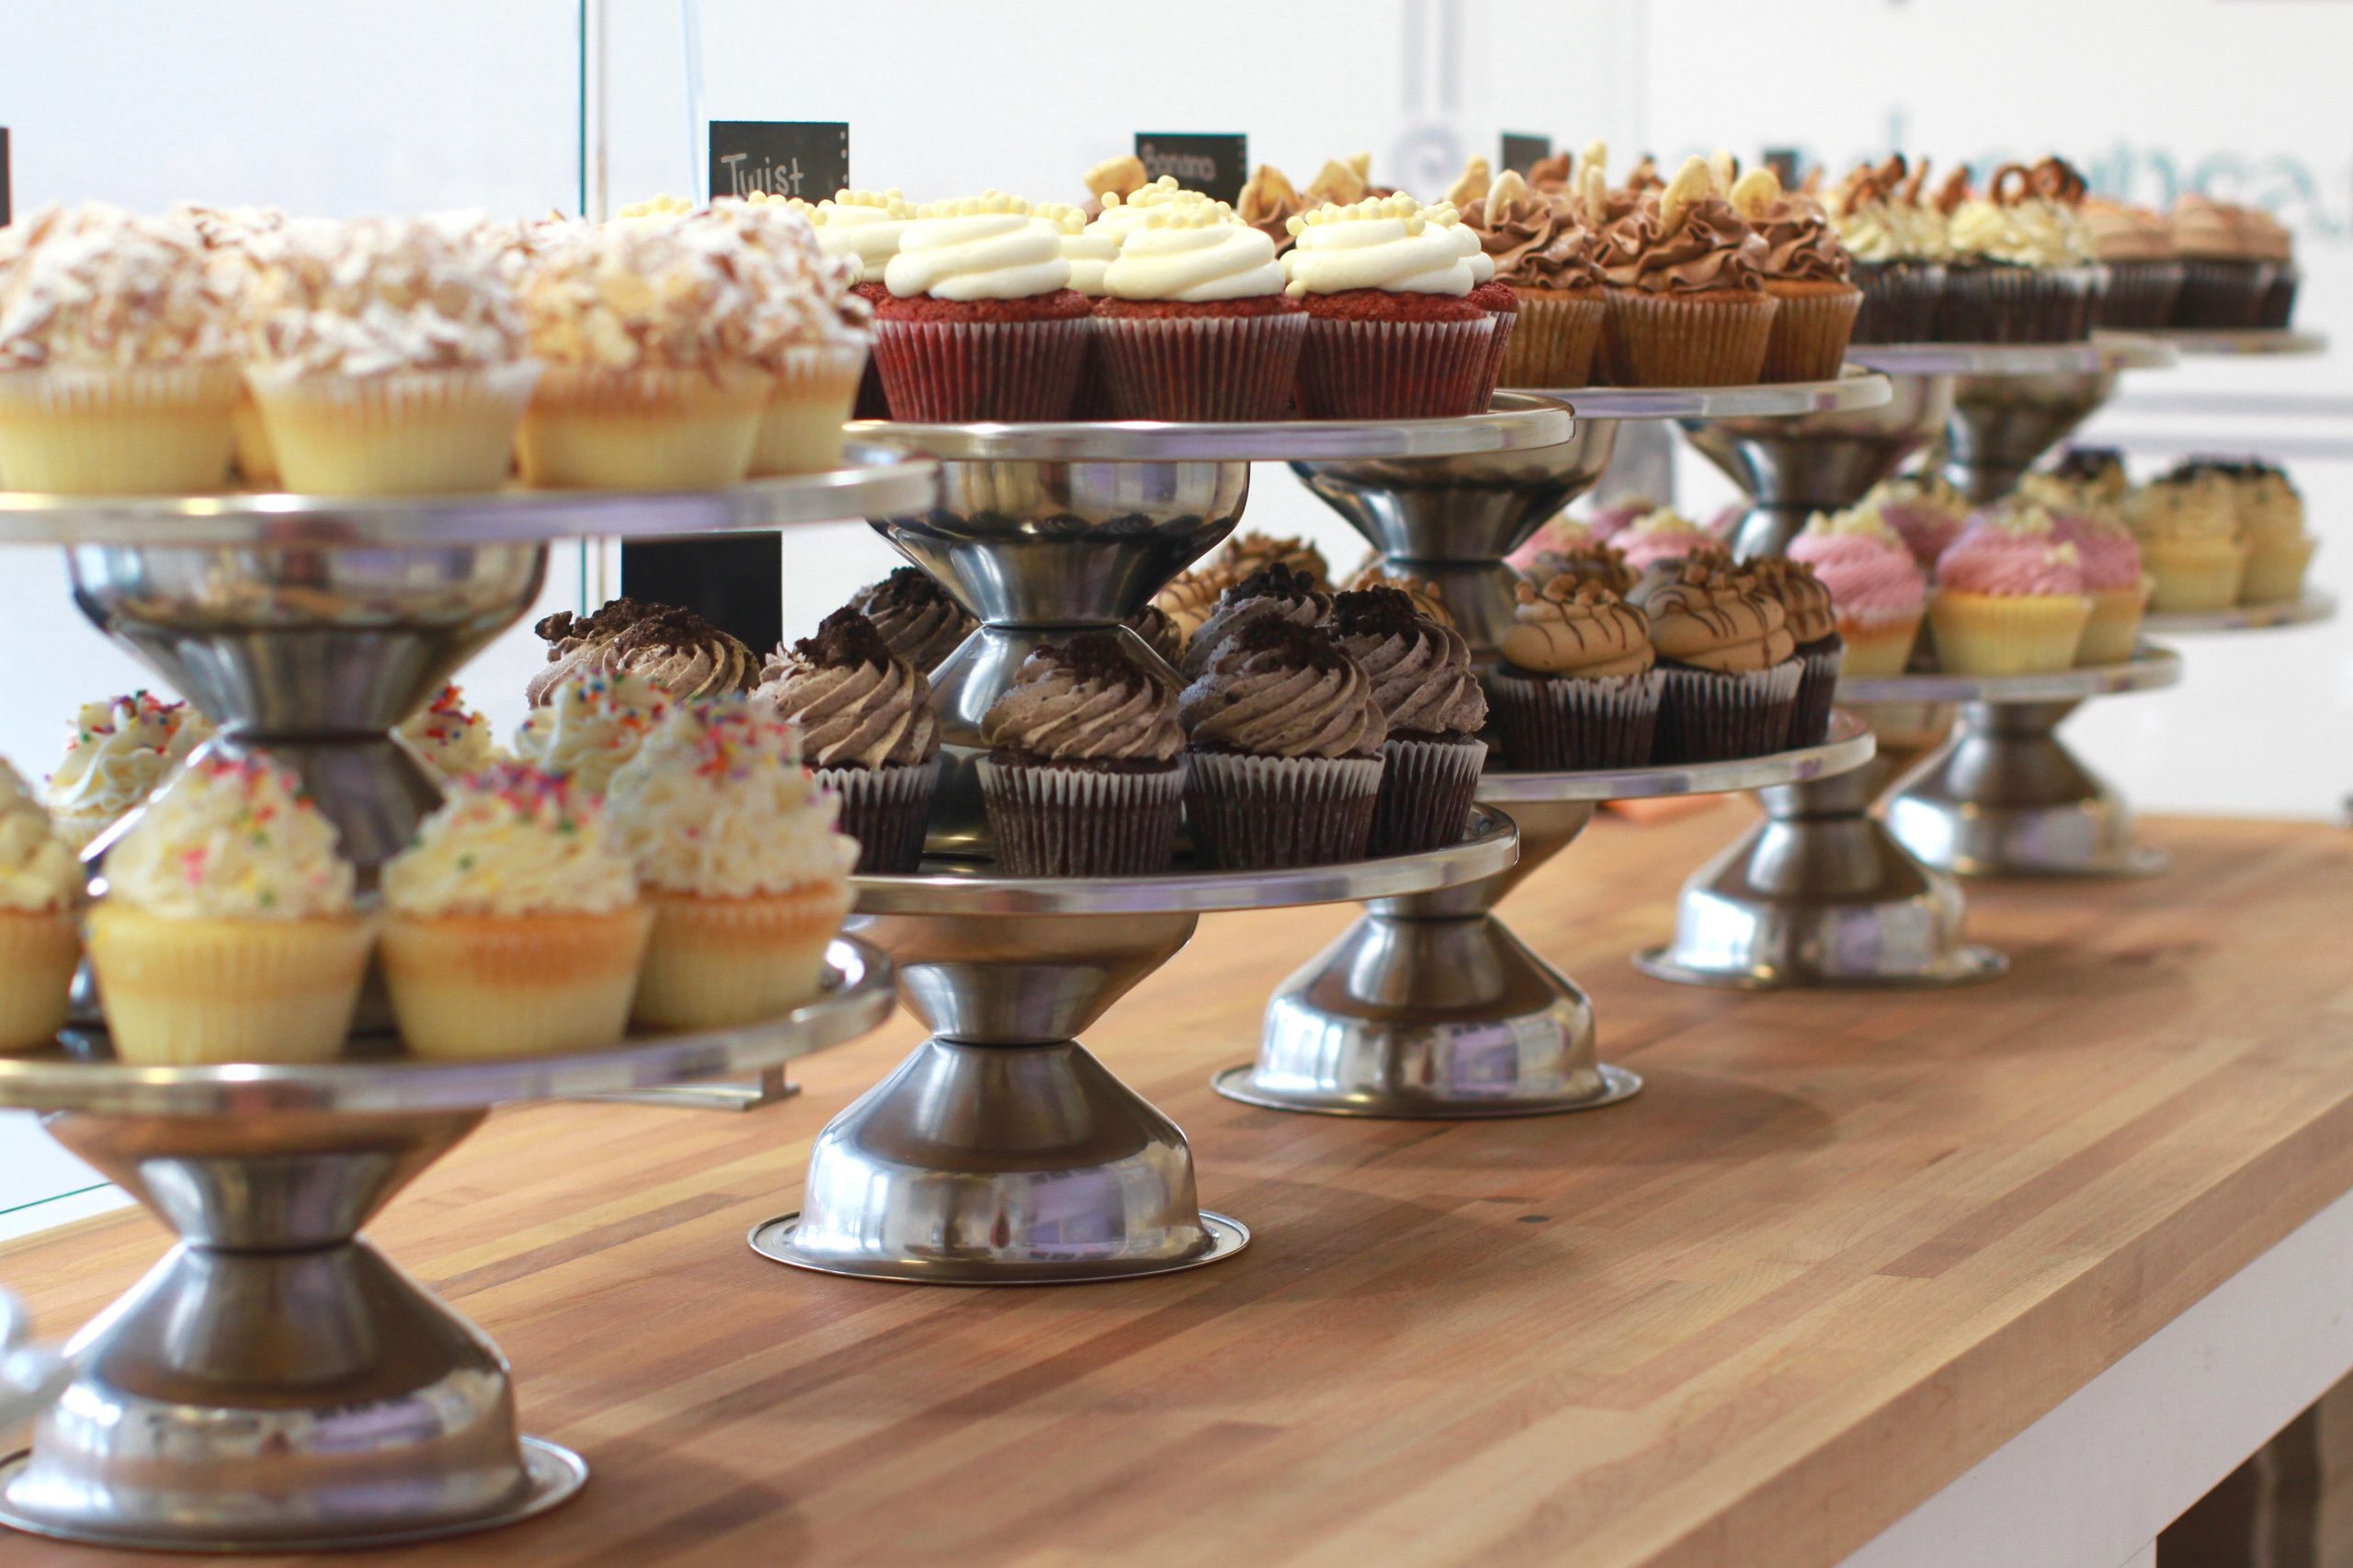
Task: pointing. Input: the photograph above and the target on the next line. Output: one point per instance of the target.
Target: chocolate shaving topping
(1375, 612)
(844, 639)
(1275, 581)
(1310, 647)
(1095, 657)
(909, 587)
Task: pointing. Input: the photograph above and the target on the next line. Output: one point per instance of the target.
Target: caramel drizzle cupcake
(1572, 628)
(1710, 619)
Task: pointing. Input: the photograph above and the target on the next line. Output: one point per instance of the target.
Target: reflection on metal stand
(751, 1094)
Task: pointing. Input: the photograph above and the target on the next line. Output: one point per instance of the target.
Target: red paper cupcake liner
(1396, 369)
(1201, 368)
(958, 373)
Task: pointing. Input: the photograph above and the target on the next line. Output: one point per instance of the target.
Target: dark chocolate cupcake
(1282, 766)
(2022, 269)
(1727, 660)
(2228, 266)
(675, 648)
(1577, 689)
(1896, 241)
(1272, 593)
(866, 727)
(1084, 777)
(1428, 695)
(1805, 603)
(915, 617)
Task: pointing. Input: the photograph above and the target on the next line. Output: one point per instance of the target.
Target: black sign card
(1784, 161)
(1216, 165)
(807, 158)
(7, 201)
(1523, 152)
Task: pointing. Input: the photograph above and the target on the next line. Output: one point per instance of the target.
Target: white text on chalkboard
(744, 177)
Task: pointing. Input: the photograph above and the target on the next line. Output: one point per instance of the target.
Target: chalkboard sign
(1523, 152)
(8, 201)
(807, 158)
(1217, 165)
(1784, 161)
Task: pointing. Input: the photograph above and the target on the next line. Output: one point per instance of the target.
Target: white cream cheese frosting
(987, 247)
(1194, 255)
(1380, 243)
(510, 842)
(590, 725)
(232, 839)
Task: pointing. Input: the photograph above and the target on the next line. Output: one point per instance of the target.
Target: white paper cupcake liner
(887, 810)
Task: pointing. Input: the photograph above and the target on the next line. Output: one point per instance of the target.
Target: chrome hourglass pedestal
(1003, 1152)
(2012, 403)
(275, 1384)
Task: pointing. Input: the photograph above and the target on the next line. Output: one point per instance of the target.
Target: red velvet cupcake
(1393, 331)
(979, 322)
(1195, 324)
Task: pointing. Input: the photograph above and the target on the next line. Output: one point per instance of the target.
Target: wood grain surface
(1842, 1246)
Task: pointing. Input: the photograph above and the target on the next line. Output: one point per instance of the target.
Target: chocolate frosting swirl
(1711, 247)
(858, 704)
(1804, 599)
(1276, 592)
(1568, 628)
(1535, 239)
(1420, 671)
(1712, 620)
(1279, 688)
(1428, 598)
(1160, 632)
(1801, 243)
(1084, 702)
(915, 617)
(673, 648)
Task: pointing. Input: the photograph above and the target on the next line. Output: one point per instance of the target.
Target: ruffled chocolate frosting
(915, 617)
(1276, 592)
(1703, 248)
(1804, 599)
(1535, 239)
(1420, 671)
(1802, 244)
(1710, 619)
(1567, 628)
(672, 647)
(858, 704)
(1083, 701)
(1160, 631)
(1278, 688)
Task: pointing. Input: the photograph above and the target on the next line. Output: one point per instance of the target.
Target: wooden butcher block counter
(1842, 1247)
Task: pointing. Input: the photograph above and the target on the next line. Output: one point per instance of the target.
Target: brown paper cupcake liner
(887, 810)
(2218, 295)
(1394, 369)
(1992, 302)
(1256, 813)
(1686, 340)
(1818, 665)
(1810, 331)
(1568, 723)
(2141, 294)
(1428, 787)
(1200, 367)
(1900, 301)
(1068, 821)
(1553, 346)
(957, 372)
(1707, 716)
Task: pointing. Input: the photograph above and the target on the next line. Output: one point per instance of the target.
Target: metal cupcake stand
(1820, 894)
(1429, 1006)
(275, 1384)
(1001, 1152)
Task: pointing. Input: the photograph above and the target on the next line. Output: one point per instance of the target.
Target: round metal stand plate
(555, 1473)
(1963, 966)
(2310, 610)
(772, 1239)
(1617, 1084)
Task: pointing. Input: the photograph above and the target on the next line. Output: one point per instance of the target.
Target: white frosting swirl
(232, 840)
(866, 224)
(1466, 241)
(509, 843)
(451, 737)
(38, 871)
(990, 248)
(590, 725)
(2022, 235)
(1382, 243)
(119, 750)
(1193, 257)
(717, 803)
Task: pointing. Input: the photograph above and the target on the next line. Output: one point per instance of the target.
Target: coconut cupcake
(117, 355)
(1926, 513)
(813, 340)
(452, 738)
(228, 932)
(1807, 270)
(1428, 696)
(672, 647)
(1577, 686)
(512, 925)
(1282, 762)
(41, 887)
(1273, 592)
(980, 322)
(1687, 299)
(1195, 324)
(736, 852)
(1807, 606)
(1726, 659)
(868, 729)
(2189, 543)
(1391, 332)
(915, 617)
(386, 356)
(119, 752)
(1084, 777)
(1876, 593)
(231, 235)
(865, 226)
(1544, 255)
(589, 724)
(2009, 597)
(1663, 535)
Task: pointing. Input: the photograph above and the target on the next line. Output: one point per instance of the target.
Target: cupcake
(736, 854)
(1282, 761)
(2144, 271)
(2189, 543)
(2274, 246)
(1877, 594)
(813, 337)
(1090, 248)
(1728, 673)
(1899, 245)
(1195, 324)
(2023, 268)
(2109, 559)
(1668, 570)
(118, 356)
(2095, 476)
(452, 738)
(980, 322)
(1275, 593)
(2271, 523)
(654, 334)
(1084, 775)
(1428, 598)
(1191, 598)
(1269, 202)
(228, 932)
(1429, 698)
(1665, 534)
(40, 939)
(2009, 597)
(2226, 263)
(1558, 535)
(865, 226)
(1807, 270)
(1621, 511)
(1924, 509)
(1250, 550)
(231, 234)
(672, 647)
(1807, 606)
(1161, 634)
(1578, 688)
(119, 750)
(588, 725)
(915, 617)
(868, 729)
(512, 925)
(1688, 305)
(386, 356)
(1496, 299)
(1545, 256)
(1391, 332)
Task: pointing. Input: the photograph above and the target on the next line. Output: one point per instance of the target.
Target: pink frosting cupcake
(1563, 535)
(2010, 597)
(1660, 535)
(1876, 588)
(1925, 512)
(1609, 522)
(2110, 561)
